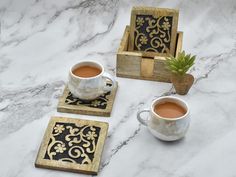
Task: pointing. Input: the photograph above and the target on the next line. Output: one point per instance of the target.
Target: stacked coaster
(102, 106)
(153, 30)
(72, 145)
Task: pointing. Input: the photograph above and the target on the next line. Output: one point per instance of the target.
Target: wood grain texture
(124, 40)
(58, 164)
(129, 63)
(86, 110)
(152, 12)
(160, 71)
(147, 66)
(179, 43)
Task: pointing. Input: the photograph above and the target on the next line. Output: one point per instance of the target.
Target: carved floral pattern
(140, 21)
(100, 102)
(73, 143)
(143, 40)
(59, 128)
(91, 135)
(60, 148)
(153, 34)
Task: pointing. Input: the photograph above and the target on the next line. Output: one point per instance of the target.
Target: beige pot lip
(174, 98)
(87, 62)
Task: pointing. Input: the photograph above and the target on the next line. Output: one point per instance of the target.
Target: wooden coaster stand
(143, 64)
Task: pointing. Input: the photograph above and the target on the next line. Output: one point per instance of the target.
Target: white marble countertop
(41, 39)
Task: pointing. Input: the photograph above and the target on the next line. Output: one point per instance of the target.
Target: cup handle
(140, 119)
(111, 78)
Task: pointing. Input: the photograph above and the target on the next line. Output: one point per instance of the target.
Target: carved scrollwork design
(153, 34)
(100, 102)
(73, 143)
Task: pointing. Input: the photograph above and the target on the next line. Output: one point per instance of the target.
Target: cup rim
(87, 61)
(170, 97)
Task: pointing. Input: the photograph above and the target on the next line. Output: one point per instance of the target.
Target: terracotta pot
(182, 84)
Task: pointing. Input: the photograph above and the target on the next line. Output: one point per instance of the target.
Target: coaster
(72, 145)
(153, 30)
(102, 106)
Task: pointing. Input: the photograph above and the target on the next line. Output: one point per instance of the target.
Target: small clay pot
(182, 84)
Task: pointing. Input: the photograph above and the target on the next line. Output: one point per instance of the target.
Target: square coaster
(72, 145)
(102, 106)
(153, 30)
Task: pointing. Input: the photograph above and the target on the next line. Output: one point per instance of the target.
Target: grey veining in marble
(41, 39)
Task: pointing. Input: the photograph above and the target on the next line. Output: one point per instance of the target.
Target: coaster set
(151, 36)
(102, 106)
(76, 145)
(72, 145)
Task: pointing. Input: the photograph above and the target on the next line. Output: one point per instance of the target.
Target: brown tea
(86, 71)
(169, 110)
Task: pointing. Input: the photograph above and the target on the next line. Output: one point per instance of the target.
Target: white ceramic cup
(89, 88)
(167, 129)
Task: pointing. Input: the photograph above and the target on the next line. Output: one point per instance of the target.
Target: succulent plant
(180, 65)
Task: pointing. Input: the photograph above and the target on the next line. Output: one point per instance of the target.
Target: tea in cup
(88, 80)
(168, 118)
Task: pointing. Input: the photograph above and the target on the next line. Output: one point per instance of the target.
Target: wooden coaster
(153, 31)
(102, 106)
(72, 145)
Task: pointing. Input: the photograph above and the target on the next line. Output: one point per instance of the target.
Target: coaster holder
(136, 65)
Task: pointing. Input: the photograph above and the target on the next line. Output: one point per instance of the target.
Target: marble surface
(41, 39)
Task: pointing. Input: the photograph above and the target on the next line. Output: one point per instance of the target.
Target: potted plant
(179, 66)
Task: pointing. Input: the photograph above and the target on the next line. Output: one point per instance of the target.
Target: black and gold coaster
(153, 31)
(72, 145)
(101, 106)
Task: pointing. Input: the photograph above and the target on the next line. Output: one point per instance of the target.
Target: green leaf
(180, 64)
